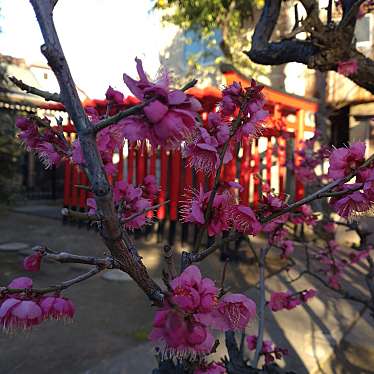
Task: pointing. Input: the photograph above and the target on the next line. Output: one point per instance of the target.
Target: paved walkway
(109, 334)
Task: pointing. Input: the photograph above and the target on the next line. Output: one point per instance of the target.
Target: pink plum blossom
(47, 141)
(204, 146)
(244, 220)
(32, 262)
(166, 120)
(19, 314)
(56, 307)
(191, 292)
(193, 210)
(114, 95)
(345, 160)
(233, 312)
(352, 203)
(21, 282)
(150, 187)
(181, 335)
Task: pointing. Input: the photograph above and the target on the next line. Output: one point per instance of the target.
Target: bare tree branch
(118, 241)
(48, 96)
(325, 47)
(56, 288)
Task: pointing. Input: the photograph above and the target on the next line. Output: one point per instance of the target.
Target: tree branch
(56, 288)
(48, 96)
(276, 53)
(117, 241)
(65, 257)
(318, 194)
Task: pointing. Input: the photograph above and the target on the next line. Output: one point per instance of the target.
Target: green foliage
(234, 20)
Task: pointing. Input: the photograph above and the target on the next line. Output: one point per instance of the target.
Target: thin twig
(130, 218)
(56, 288)
(65, 257)
(80, 216)
(48, 96)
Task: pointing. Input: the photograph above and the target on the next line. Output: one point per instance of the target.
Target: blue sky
(100, 38)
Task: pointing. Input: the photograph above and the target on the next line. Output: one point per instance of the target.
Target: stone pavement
(109, 334)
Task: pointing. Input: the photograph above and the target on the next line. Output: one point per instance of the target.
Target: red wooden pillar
(130, 162)
(245, 171)
(75, 181)
(175, 183)
(120, 163)
(256, 170)
(299, 136)
(161, 213)
(140, 163)
(281, 151)
(268, 158)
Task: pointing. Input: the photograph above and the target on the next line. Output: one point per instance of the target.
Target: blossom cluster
(169, 116)
(268, 349)
(351, 198)
(131, 202)
(225, 213)
(219, 135)
(287, 300)
(194, 308)
(46, 141)
(23, 310)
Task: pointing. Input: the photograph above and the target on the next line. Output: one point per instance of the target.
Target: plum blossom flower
(19, 314)
(244, 220)
(191, 292)
(46, 141)
(194, 208)
(268, 350)
(166, 120)
(272, 204)
(233, 312)
(32, 262)
(345, 160)
(56, 307)
(352, 203)
(205, 144)
(130, 201)
(348, 67)
(181, 335)
(21, 282)
(287, 300)
(212, 368)
(150, 187)
(108, 140)
(114, 95)
(251, 101)
(304, 214)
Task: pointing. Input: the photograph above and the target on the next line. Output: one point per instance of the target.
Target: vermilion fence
(265, 158)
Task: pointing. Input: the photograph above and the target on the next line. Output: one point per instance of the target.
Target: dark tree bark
(326, 45)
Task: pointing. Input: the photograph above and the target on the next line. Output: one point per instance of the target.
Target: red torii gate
(135, 161)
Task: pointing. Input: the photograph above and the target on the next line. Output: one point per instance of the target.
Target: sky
(100, 38)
